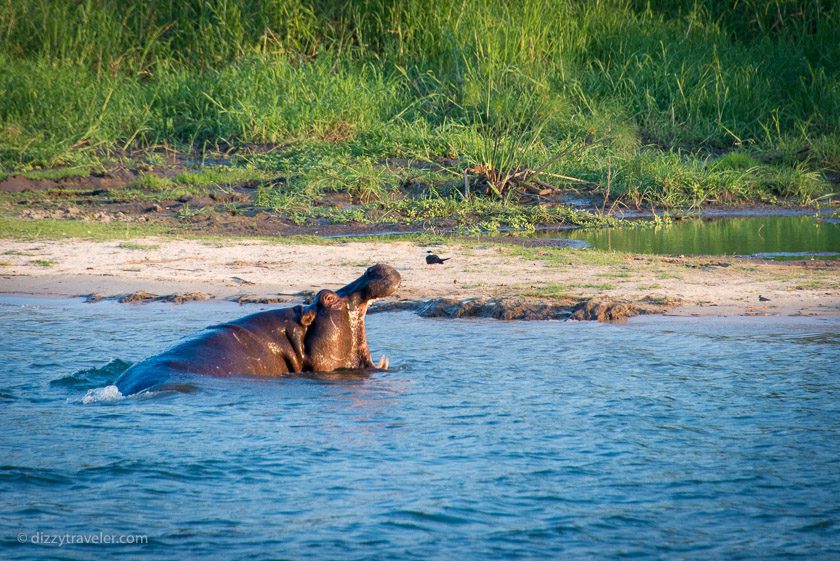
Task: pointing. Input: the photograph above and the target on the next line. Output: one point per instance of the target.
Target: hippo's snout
(384, 280)
(378, 281)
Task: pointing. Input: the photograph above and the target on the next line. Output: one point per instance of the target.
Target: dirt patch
(183, 298)
(116, 179)
(481, 279)
(143, 297)
(152, 194)
(604, 310)
(528, 309)
(243, 299)
(504, 309)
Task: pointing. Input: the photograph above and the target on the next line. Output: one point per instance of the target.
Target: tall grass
(377, 78)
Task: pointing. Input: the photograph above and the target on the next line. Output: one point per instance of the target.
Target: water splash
(100, 395)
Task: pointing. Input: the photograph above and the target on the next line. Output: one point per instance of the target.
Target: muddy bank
(485, 279)
(134, 196)
(168, 198)
(144, 297)
(239, 206)
(530, 309)
(522, 309)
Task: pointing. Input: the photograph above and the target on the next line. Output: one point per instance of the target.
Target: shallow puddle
(761, 236)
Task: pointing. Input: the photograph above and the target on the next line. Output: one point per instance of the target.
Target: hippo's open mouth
(378, 281)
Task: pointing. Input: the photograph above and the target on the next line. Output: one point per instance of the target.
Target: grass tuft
(650, 103)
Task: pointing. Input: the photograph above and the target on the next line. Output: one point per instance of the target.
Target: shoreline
(524, 279)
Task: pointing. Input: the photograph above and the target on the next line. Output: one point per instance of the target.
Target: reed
(659, 88)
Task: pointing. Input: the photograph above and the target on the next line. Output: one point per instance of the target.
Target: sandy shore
(700, 285)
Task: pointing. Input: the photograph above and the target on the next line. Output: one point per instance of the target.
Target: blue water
(661, 438)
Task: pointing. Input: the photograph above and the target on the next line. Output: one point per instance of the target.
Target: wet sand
(255, 269)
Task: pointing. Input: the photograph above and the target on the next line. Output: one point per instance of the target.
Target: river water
(660, 438)
(761, 236)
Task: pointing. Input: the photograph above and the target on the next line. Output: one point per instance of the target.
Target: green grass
(651, 102)
(562, 256)
(224, 241)
(153, 183)
(198, 181)
(550, 290)
(138, 246)
(818, 284)
(49, 229)
(830, 257)
(220, 176)
(598, 286)
(58, 173)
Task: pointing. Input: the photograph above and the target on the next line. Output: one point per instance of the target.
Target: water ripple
(690, 439)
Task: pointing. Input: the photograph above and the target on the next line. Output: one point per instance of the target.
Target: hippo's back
(222, 350)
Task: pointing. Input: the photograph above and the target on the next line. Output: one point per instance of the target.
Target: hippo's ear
(307, 317)
(327, 297)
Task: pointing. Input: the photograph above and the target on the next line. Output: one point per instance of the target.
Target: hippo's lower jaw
(360, 345)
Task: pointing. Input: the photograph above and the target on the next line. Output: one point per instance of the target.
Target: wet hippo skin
(329, 334)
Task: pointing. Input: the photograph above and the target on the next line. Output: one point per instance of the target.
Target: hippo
(327, 335)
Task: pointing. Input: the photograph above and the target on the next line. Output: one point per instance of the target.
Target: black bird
(763, 298)
(432, 259)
